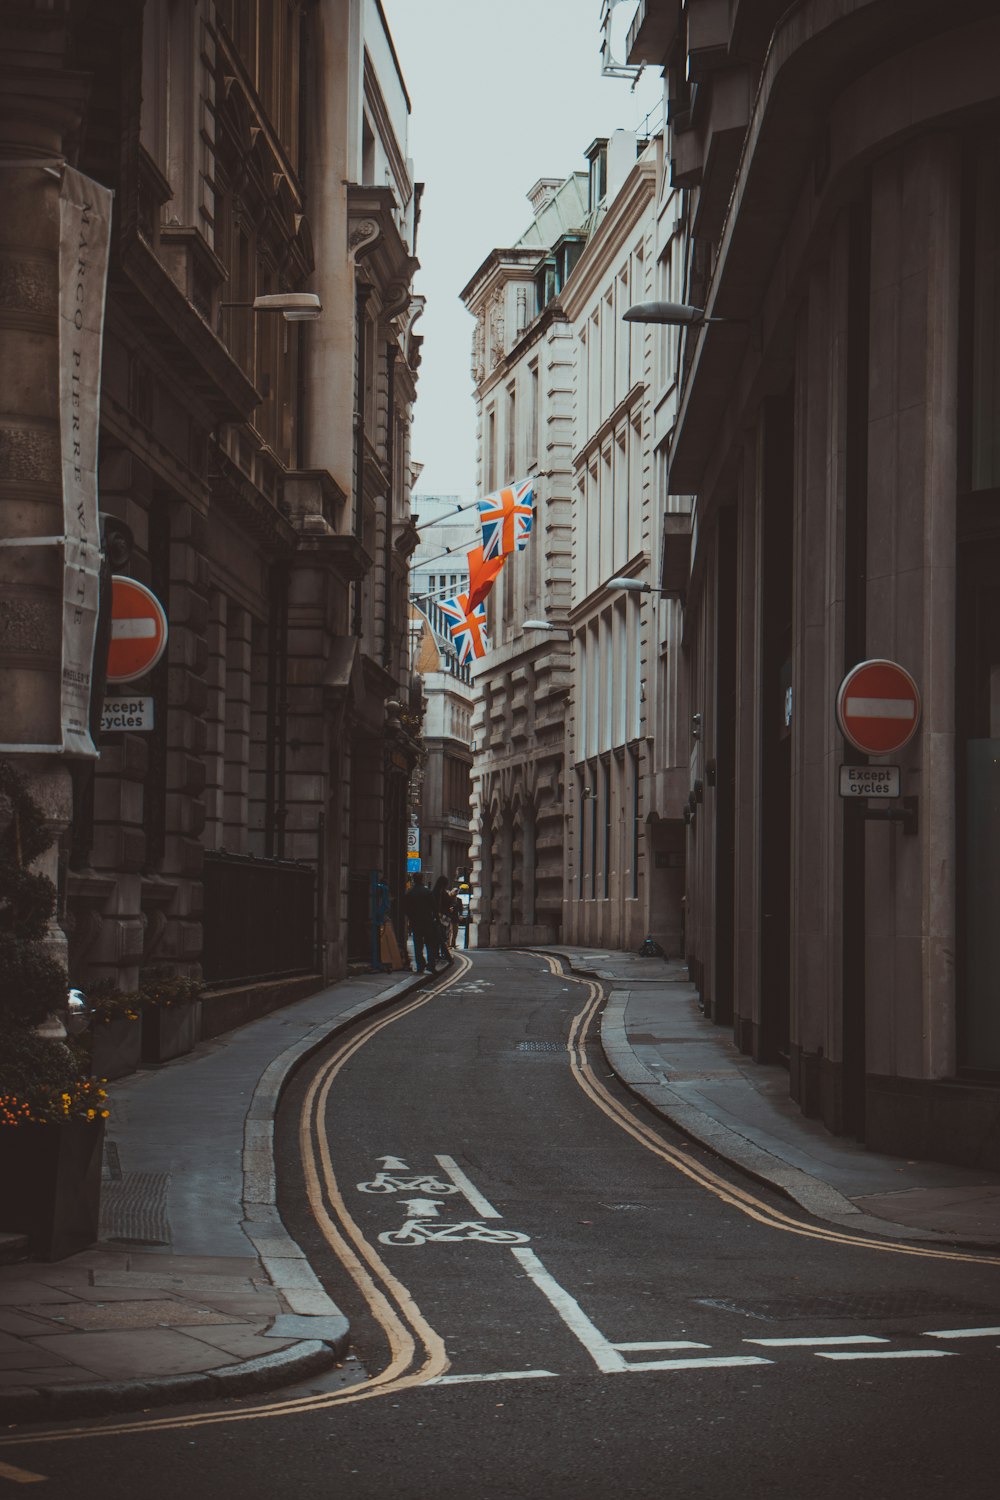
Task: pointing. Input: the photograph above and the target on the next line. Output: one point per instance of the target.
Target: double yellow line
(417, 1353)
(682, 1161)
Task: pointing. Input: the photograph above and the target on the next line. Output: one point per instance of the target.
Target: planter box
(51, 1176)
(116, 1047)
(169, 1030)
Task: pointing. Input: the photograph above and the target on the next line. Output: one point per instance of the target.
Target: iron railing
(259, 918)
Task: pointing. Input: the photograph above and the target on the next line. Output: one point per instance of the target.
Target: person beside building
(443, 918)
(419, 908)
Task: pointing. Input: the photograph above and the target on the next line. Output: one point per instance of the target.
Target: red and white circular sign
(878, 707)
(138, 630)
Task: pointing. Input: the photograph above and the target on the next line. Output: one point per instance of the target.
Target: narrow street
(552, 1295)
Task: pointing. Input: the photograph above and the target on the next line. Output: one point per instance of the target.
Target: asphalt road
(553, 1296)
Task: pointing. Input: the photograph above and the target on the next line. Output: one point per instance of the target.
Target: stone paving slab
(231, 1306)
(124, 1353)
(154, 1313)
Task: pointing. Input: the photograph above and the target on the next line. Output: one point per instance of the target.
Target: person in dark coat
(418, 905)
(442, 914)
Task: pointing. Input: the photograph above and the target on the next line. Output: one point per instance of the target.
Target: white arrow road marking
(604, 1355)
(451, 1169)
(496, 1375)
(885, 1354)
(849, 1338)
(423, 1208)
(133, 630)
(20, 1476)
(659, 1344)
(392, 1164)
(880, 708)
(962, 1333)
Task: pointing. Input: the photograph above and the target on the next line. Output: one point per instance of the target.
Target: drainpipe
(390, 499)
(360, 301)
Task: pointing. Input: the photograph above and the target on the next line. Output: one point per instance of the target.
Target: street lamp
(634, 586)
(295, 307)
(546, 626)
(677, 313)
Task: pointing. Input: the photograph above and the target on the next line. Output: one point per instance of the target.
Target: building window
(534, 423)
(511, 473)
(633, 764)
(597, 175)
(606, 791)
(545, 284)
(491, 450)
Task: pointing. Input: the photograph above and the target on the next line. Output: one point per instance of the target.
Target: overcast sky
(502, 94)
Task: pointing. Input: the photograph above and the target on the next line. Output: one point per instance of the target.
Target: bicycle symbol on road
(429, 1231)
(393, 1182)
(422, 1225)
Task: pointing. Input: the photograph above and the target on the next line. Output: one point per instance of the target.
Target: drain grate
(134, 1208)
(905, 1304)
(541, 1046)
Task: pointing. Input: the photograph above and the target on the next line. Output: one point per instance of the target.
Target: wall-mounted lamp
(634, 586)
(675, 314)
(548, 627)
(672, 314)
(295, 307)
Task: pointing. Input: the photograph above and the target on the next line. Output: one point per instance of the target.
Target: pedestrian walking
(442, 917)
(419, 908)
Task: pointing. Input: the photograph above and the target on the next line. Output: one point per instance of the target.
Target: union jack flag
(466, 627)
(506, 519)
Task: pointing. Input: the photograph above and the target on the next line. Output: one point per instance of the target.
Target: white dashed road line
(849, 1338)
(886, 1354)
(962, 1333)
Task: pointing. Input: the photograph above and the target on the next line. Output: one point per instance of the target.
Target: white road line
(851, 1338)
(888, 1354)
(604, 1355)
(451, 1169)
(712, 1363)
(962, 1333)
(497, 1375)
(659, 1344)
(20, 1476)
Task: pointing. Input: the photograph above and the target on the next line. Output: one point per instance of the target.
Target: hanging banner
(84, 237)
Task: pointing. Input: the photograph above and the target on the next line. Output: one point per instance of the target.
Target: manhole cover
(134, 1208)
(541, 1046)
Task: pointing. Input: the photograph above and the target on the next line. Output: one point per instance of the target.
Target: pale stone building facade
(523, 376)
(626, 780)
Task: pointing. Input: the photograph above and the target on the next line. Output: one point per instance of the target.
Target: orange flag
(482, 576)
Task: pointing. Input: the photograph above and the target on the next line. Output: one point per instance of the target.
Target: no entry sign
(138, 630)
(878, 707)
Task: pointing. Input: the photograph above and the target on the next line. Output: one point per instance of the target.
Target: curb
(816, 1197)
(323, 1330)
(99, 1398)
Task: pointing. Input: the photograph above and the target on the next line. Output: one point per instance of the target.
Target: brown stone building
(837, 427)
(261, 466)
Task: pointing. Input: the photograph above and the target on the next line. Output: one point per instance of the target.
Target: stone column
(41, 106)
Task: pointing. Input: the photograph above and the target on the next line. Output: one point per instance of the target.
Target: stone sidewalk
(196, 1290)
(689, 1070)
